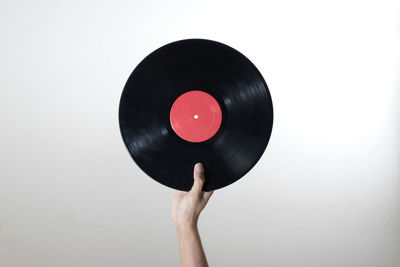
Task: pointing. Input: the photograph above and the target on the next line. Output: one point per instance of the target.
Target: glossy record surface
(212, 67)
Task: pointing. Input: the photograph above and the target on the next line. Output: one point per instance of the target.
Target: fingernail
(199, 167)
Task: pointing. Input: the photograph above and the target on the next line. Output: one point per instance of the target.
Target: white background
(325, 193)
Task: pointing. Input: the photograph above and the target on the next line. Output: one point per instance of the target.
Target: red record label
(195, 116)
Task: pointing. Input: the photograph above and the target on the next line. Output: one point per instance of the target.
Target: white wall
(325, 193)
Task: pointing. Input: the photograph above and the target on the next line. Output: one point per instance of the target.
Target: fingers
(198, 175)
(178, 192)
(207, 195)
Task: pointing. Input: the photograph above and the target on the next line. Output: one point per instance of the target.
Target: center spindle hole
(196, 116)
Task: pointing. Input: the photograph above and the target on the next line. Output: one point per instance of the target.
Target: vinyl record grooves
(230, 132)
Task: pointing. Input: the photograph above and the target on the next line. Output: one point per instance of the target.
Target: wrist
(186, 227)
(186, 222)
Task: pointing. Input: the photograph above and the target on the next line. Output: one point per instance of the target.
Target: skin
(185, 211)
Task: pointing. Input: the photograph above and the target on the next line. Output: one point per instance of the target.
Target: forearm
(190, 247)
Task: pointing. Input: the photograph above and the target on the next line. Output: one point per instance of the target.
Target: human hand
(186, 206)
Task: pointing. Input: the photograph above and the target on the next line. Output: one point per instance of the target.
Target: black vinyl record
(231, 132)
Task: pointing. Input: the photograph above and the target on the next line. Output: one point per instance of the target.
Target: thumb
(198, 174)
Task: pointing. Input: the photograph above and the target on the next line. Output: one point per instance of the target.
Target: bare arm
(185, 211)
